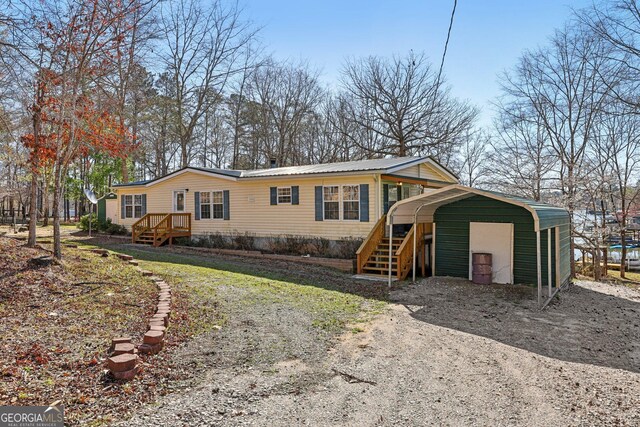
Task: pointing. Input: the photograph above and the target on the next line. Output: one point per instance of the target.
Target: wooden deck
(158, 228)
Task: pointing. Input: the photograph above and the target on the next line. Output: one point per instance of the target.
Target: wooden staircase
(378, 261)
(373, 254)
(158, 228)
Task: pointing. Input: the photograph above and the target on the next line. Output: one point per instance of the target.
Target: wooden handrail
(162, 224)
(370, 244)
(405, 251)
(147, 222)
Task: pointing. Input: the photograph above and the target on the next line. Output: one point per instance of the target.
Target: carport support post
(390, 247)
(549, 261)
(415, 231)
(539, 268)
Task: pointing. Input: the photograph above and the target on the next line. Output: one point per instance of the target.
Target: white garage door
(496, 239)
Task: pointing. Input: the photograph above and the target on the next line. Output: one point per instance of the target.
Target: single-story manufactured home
(435, 223)
(334, 201)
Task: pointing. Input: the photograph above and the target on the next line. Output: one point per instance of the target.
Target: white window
(284, 195)
(341, 202)
(331, 202)
(133, 206)
(205, 205)
(217, 204)
(351, 202)
(211, 205)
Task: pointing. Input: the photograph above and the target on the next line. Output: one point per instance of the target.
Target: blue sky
(488, 35)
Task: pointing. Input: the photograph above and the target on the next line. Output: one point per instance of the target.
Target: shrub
(84, 222)
(217, 240)
(347, 248)
(112, 229)
(289, 245)
(101, 226)
(246, 241)
(321, 246)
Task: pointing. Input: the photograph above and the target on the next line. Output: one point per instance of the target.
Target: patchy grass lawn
(328, 303)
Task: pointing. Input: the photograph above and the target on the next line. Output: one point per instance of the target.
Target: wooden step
(393, 270)
(383, 257)
(386, 247)
(380, 267)
(384, 253)
(381, 261)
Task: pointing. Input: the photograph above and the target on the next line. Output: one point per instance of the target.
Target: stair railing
(370, 244)
(146, 223)
(405, 251)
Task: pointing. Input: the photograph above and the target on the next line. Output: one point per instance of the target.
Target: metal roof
(387, 165)
(421, 208)
(354, 166)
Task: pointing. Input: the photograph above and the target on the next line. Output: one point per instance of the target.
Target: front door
(178, 201)
(496, 239)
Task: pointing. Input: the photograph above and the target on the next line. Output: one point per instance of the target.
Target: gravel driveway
(445, 353)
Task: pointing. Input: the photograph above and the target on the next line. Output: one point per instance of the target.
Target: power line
(446, 44)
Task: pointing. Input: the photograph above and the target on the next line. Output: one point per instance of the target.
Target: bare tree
(617, 148)
(472, 158)
(617, 23)
(404, 102)
(562, 86)
(520, 159)
(203, 48)
(287, 94)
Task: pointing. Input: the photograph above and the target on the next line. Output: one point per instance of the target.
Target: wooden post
(415, 233)
(539, 268)
(390, 247)
(549, 273)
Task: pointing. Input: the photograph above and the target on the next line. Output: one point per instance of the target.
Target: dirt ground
(446, 352)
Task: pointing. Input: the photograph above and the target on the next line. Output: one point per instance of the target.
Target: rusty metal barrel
(482, 268)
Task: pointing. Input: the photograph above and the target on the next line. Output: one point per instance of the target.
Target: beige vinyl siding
(423, 171)
(250, 209)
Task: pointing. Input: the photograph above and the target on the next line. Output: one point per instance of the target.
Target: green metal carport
(536, 235)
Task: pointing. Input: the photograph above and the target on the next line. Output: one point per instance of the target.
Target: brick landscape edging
(123, 361)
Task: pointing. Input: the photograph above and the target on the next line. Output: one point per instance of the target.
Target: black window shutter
(295, 195)
(385, 198)
(196, 198)
(122, 209)
(225, 206)
(364, 202)
(318, 202)
(274, 195)
(144, 204)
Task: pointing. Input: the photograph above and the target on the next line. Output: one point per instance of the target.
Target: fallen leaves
(57, 321)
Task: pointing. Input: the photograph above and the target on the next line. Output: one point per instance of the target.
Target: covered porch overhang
(421, 209)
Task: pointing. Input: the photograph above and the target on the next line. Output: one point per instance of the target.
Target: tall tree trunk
(45, 204)
(623, 254)
(33, 210)
(184, 162)
(57, 195)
